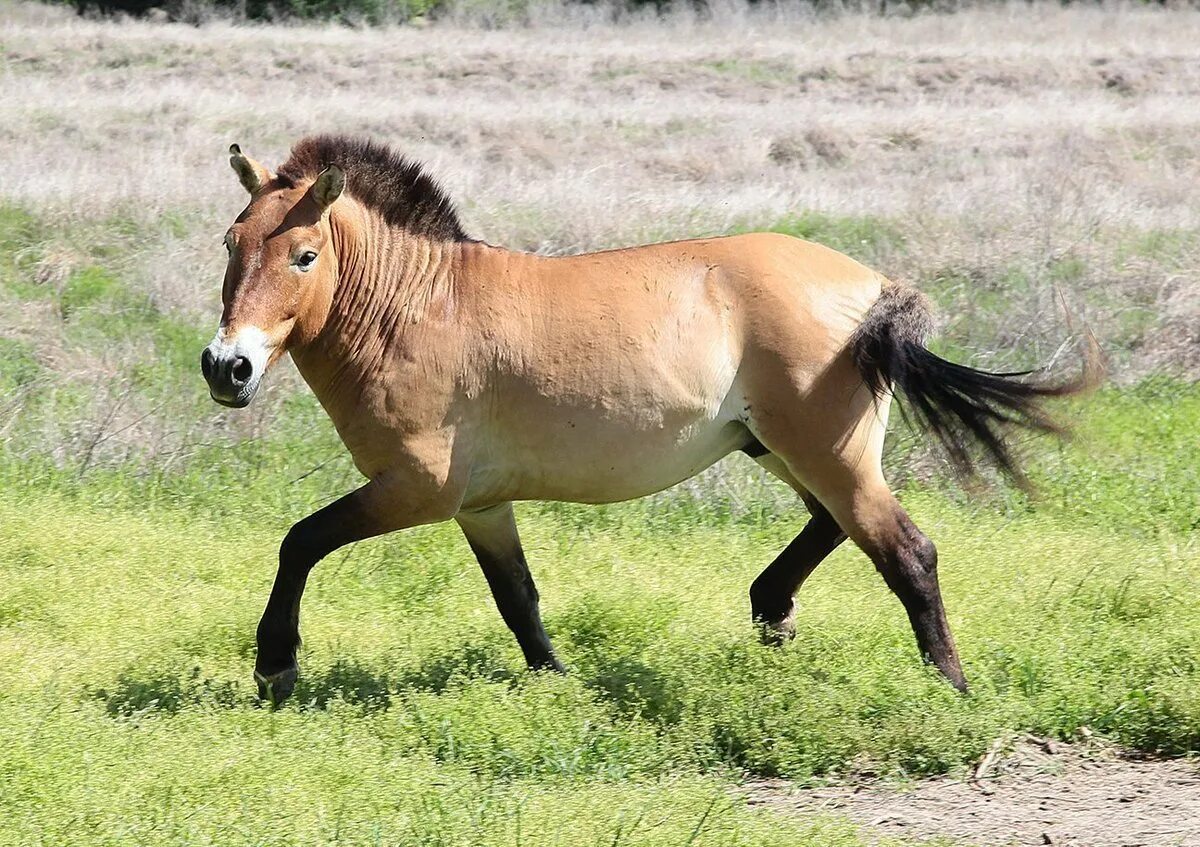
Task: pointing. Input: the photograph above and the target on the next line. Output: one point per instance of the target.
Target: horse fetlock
(768, 599)
(547, 662)
(275, 668)
(277, 641)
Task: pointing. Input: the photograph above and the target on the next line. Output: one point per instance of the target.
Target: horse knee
(315, 537)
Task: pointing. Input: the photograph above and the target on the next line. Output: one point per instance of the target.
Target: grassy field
(127, 614)
(128, 617)
(1002, 165)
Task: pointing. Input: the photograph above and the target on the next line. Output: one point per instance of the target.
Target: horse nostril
(206, 363)
(242, 370)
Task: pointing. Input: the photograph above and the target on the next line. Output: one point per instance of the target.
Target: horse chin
(239, 401)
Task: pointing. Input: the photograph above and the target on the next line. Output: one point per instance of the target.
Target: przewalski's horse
(463, 376)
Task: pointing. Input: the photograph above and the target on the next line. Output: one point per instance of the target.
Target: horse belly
(620, 443)
(606, 466)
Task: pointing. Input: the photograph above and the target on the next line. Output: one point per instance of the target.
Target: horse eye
(306, 259)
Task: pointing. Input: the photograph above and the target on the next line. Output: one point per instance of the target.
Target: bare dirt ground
(1035, 792)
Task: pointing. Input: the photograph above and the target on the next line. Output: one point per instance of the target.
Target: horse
(463, 376)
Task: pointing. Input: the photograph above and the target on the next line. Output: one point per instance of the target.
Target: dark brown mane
(396, 187)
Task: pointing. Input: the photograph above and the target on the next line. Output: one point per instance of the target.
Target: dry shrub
(814, 146)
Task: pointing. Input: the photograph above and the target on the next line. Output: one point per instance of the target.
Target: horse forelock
(396, 187)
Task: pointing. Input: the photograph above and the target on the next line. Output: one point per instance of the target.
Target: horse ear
(252, 175)
(328, 186)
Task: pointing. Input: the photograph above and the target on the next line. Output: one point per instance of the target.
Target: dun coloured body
(463, 377)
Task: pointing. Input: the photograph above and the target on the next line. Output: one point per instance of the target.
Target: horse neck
(388, 279)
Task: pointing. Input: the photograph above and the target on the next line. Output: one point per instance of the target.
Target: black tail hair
(960, 406)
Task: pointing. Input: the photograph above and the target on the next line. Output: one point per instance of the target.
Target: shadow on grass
(167, 692)
(357, 684)
(634, 687)
(607, 647)
(140, 692)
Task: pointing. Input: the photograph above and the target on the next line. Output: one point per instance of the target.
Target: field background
(1009, 161)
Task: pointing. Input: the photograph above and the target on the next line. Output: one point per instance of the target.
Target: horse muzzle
(234, 369)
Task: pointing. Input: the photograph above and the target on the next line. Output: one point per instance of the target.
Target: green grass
(19, 365)
(756, 71)
(867, 238)
(127, 612)
(124, 637)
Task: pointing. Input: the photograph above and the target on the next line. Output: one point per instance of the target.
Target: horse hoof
(777, 633)
(276, 687)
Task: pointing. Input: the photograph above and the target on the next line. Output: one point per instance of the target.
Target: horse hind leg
(908, 561)
(847, 482)
(870, 514)
(772, 604)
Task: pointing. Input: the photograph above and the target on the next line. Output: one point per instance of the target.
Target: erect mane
(381, 179)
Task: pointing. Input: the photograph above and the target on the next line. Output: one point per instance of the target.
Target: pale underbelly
(603, 467)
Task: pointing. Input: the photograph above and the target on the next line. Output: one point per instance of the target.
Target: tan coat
(463, 376)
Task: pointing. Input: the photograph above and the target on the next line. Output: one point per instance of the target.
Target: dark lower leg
(909, 566)
(306, 543)
(516, 597)
(492, 535)
(771, 602)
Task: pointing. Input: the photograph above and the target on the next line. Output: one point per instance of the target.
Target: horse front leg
(492, 534)
(381, 506)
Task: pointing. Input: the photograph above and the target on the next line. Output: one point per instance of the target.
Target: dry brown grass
(1017, 151)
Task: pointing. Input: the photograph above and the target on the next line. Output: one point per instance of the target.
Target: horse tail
(960, 406)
